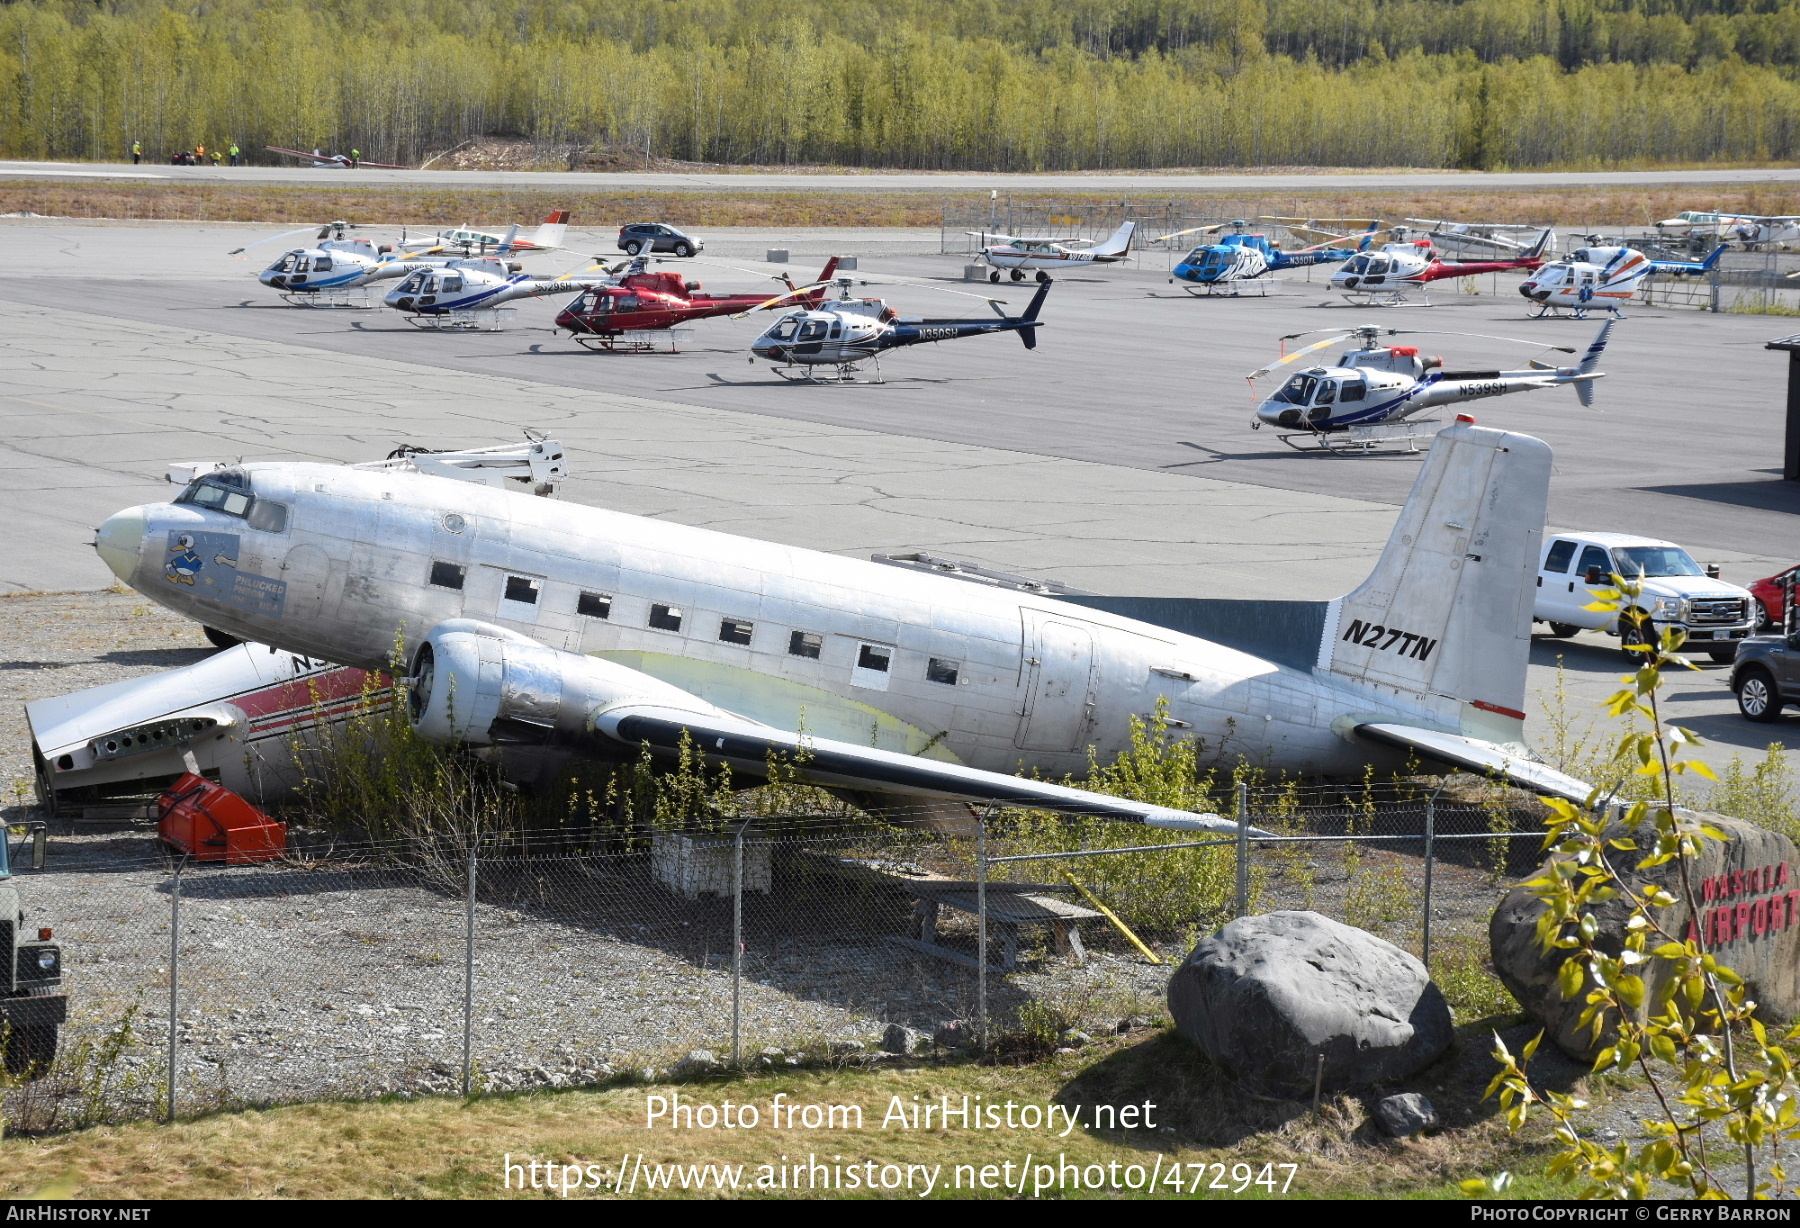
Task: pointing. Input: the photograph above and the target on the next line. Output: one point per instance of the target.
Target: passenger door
(1058, 684)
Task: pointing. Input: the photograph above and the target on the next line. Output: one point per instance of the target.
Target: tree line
(933, 84)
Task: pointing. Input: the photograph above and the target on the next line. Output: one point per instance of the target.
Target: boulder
(904, 1040)
(1265, 996)
(1749, 918)
(1406, 1114)
(698, 1062)
(954, 1034)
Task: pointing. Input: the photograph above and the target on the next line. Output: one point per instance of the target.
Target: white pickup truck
(1677, 591)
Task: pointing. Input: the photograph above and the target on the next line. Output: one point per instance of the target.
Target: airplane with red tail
(642, 302)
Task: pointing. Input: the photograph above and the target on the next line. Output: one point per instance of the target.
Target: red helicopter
(642, 302)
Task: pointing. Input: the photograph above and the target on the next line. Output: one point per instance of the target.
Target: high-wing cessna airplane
(537, 625)
(1046, 256)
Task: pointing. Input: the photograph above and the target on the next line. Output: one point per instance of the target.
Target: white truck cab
(1678, 592)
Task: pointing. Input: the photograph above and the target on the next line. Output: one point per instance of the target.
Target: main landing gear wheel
(1756, 696)
(1563, 631)
(1017, 275)
(1042, 276)
(994, 276)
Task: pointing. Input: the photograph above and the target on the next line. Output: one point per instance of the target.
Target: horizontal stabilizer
(1484, 758)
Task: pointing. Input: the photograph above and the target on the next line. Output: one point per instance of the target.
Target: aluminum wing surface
(476, 684)
(1486, 758)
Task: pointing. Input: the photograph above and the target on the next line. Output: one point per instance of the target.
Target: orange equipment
(211, 823)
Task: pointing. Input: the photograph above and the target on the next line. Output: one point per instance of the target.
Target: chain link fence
(567, 959)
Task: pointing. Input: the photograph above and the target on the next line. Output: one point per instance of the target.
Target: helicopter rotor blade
(1317, 345)
(1438, 332)
(767, 303)
(236, 251)
(889, 279)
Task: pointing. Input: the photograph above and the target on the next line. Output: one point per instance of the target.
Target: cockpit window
(1298, 391)
(1359, 264)
(227, 490)
(784, 329)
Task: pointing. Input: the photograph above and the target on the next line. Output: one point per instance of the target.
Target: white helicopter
(1383, 277)
(322, 275)
(1489, 240)
(548, 237)
(845, 332)
(468, 293)
(1336, 405)
(1603, 277)
(1017, 254)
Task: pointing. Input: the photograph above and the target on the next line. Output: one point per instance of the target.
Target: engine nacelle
(477, 684)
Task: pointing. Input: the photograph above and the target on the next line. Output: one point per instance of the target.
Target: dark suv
(1766, 676)
(640, 237)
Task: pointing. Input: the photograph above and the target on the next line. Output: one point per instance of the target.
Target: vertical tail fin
(1712, 257)
(813, 300)
(1029, 335)
(1445, 617)
(506, 244)
(1119, 244)
(1590, 362)
(1537, 250)
(553, 231)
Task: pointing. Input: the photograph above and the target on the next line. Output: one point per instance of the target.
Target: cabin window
(594, 605)
(453, 285)
(872, 662)
(940, 670)
(665, 617)
(522, 589)
(447, 575)
(735, 631)
(1354, 390)
(1558, 558)
(268, 516)
(805, 644)
(322, 264)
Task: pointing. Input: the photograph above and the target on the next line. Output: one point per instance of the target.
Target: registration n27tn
(534, 626)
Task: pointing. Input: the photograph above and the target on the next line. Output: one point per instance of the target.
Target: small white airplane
(1045, 256)
(1489, 240)
(1751, 230)
(549, 630)
(1374, 383)
(1603, 277)
(548, 237)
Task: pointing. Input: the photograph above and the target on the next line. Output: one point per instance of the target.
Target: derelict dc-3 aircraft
(532, 626)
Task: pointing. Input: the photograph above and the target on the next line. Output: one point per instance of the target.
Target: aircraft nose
(120, 541)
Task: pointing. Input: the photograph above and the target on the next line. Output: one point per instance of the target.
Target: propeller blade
(1317, 345)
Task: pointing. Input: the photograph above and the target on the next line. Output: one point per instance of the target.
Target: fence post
(737, 943)
(174, 978)
(981, 925)
(1430, 837)
(468, 1062)
(1243, 848)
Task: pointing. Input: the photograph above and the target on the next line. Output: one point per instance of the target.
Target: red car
(1768, 596)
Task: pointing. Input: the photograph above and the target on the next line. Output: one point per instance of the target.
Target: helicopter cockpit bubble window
(1297, 391)
(813, 330)
(415, 282)
(1358, 264)
(1195, 257)
(785, 327)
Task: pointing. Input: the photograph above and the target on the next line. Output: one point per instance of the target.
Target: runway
(948, 182)
(1116, 457)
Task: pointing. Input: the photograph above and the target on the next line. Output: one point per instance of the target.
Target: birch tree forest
(1006, 85)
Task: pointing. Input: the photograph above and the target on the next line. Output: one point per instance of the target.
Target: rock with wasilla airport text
(1264, 997)
(1749, 917)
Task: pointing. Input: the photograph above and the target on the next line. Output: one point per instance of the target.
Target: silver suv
(641, 237)
(1766, 677)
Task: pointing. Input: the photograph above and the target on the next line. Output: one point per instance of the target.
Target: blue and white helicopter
(1241, 260)
(321, 275)
(1603, 277)
(1344, 405)
(468, 293)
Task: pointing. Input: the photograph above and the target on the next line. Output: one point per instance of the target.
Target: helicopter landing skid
(1362, 440)
(1229, 289)
(475, 320)
(847, 373)
(643, 341)
(330, 300)
(1383, 298)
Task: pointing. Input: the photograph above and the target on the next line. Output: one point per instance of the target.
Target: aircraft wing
(480, 684)
(1475, 755)
(338, 158)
